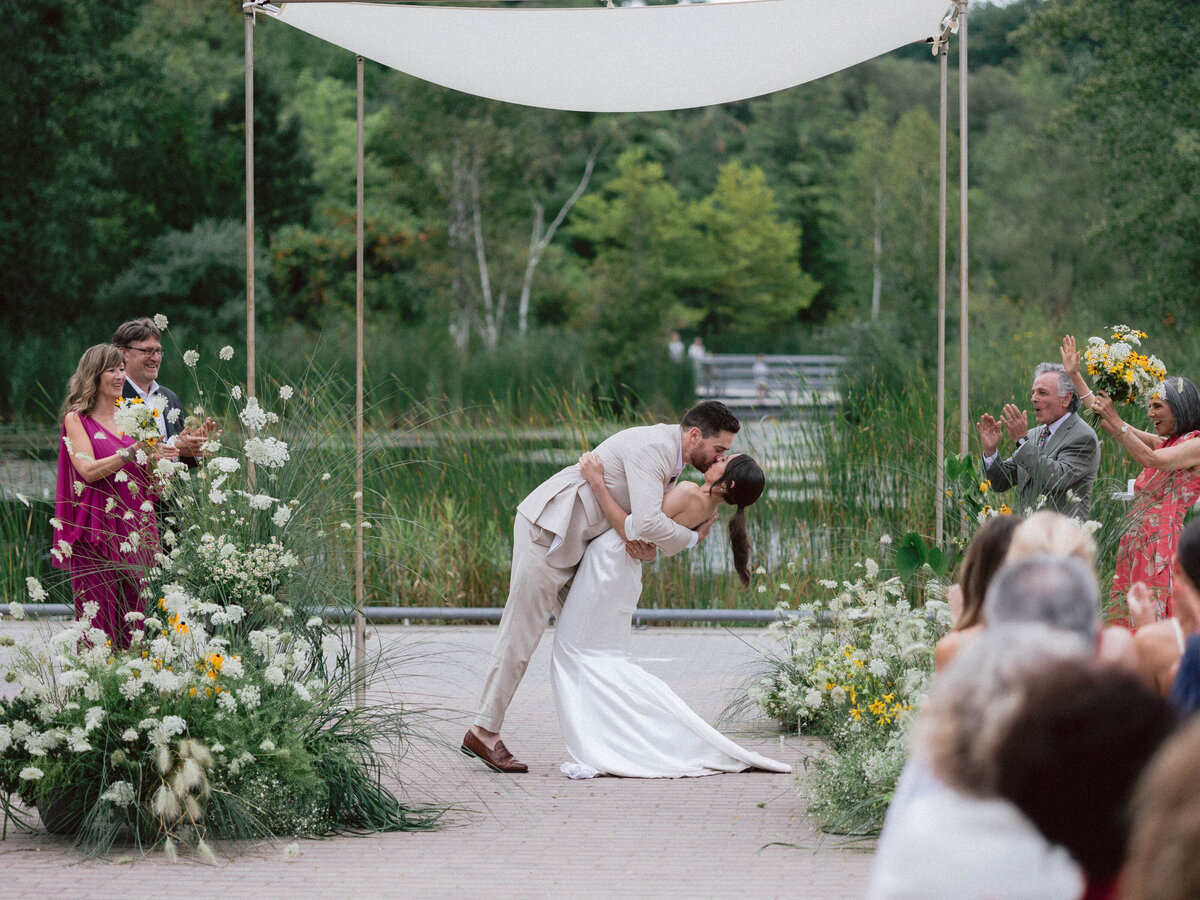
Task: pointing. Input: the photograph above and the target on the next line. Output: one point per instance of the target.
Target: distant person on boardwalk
(553, 528)
(1161, 496)
(762, 377)
(675, 348)
(105, 530)
(1056, 465)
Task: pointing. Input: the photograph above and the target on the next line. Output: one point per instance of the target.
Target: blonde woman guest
(1164, 491)
(1162, 863)
(106, 535)
(985, 554)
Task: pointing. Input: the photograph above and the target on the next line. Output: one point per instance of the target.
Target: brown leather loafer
(498, 759)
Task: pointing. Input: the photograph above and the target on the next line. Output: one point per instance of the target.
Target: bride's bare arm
(593, 473)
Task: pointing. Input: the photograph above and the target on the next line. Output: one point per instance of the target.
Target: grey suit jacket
(638, 465)
(1068, 463)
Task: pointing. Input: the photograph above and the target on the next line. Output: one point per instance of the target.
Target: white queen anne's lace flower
(226, 352)
(270, 452)
(253, 416)
(190, 358)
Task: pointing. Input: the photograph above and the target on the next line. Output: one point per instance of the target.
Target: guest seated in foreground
(1048, 532)
(985, 554)
(1083, 735)
(1185, 686)
(953, 836)
(1162, 863)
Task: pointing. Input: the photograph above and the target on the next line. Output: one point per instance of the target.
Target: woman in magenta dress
(105, 531)
(1162, 493)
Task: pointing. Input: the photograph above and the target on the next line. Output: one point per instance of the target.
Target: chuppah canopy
(616, 59)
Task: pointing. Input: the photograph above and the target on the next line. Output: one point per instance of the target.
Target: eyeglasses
(148, 351)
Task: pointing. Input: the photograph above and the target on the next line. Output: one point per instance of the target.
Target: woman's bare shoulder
(686, 496)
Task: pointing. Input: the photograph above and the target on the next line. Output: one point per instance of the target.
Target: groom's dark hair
(711, 417)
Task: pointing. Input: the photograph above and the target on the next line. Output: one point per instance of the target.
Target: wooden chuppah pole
(963, 266)
(939, 517)
(360, 623)
(249, 12)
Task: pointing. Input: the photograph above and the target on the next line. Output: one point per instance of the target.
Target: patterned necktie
(1044, 436)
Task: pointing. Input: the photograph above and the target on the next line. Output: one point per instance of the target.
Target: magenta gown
(106, 535)
(1161, 499)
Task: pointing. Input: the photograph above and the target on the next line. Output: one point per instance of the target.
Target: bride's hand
(591, 468)
(643, 550)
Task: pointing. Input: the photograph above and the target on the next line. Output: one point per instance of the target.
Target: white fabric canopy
(622, 59)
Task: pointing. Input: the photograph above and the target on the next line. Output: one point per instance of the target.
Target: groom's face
(706, 451)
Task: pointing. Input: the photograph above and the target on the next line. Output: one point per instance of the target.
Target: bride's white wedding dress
(616, 717)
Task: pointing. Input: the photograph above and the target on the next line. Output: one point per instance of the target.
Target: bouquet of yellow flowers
(139, 419)
(1119, 369)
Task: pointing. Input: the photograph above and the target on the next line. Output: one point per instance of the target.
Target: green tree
(1140, 96)
(745, 278)
(642, 246)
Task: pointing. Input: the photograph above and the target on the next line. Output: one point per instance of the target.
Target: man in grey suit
(554, 525)
(1058, 461)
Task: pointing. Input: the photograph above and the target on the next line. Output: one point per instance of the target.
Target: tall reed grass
(443, 479)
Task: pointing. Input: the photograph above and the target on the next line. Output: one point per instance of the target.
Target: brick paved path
(529, 836)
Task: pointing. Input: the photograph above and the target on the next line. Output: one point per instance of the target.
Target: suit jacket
(1068, 463)
(638, 465)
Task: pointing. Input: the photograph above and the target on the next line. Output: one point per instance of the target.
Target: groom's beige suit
(553, 527)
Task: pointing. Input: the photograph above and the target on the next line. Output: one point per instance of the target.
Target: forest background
(800, 222)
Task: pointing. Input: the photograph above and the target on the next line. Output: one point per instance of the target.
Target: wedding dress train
(617, 718)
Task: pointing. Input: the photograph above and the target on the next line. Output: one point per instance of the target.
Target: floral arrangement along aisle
(853, 668)
(231, 714)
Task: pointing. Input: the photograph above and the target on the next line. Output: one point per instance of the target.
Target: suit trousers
(535, 593)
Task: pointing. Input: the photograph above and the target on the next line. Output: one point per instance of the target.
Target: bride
(617, 718)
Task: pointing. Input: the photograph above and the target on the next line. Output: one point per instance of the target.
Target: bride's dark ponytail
(744, 482)
(739, 541)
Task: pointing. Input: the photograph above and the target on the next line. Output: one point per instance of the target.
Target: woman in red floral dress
(1165, 490)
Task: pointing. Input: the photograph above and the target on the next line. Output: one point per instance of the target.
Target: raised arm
(1070, 358)
(1183, 455)
(592, 470)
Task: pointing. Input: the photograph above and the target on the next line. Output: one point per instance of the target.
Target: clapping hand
(1143, 610)
(1015, 422)
(989, 434)
(191, 441)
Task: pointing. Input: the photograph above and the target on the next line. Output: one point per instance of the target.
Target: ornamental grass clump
(190, 735)
(853, 668)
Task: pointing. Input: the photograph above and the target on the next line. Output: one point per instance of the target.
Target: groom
(553, 527)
